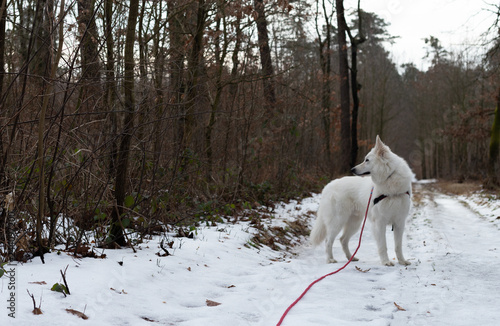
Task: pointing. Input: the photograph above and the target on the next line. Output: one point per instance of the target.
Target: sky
(458, 24)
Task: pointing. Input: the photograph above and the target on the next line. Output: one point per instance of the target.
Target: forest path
(453, 279)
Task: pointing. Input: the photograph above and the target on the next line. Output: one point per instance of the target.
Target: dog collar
(379, 198)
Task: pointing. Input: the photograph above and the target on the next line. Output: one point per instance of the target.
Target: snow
(453, 244)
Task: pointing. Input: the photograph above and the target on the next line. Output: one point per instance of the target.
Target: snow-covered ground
(221, 278)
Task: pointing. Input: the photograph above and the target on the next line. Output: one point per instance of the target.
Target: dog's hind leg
(331, 235)
(398, 243)
(350, 228)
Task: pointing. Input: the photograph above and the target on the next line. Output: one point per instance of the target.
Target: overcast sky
(458, 24)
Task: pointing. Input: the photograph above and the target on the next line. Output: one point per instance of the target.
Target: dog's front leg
(398, 243)
(379, 233)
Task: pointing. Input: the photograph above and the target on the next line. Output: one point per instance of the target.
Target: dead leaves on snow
(77, 313)
(399, 307)
(211, 303)
(39, 283)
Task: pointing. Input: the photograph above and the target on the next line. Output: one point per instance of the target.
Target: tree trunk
(39, 64)
(176, 63)
(46, 92)
(355, 86)
(265, 58)
(3, 17)
(220, 57)
(326, 70)
(90, 91)
(192, 87)
(116, 230)
(50, 89)
(110, 89)
(345, 106)
(494, 149)
(159, 71)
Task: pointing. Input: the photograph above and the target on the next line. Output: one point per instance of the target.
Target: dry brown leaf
(77, 313)
(39, 283)
(37, 311)
(399, 307)
(211, 303)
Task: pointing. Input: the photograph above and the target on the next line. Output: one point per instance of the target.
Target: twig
(64, 279)
(36, 311)
(32, 298)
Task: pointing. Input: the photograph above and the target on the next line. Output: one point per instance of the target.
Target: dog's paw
(388, 263)
(404, 262)
(330, 261)
(354, 259)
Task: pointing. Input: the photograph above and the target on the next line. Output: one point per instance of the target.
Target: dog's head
(373, 160)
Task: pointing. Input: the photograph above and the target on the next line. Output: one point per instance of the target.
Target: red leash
(338, 270)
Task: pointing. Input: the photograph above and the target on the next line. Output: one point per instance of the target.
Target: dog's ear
(380, 148)
(378, 141)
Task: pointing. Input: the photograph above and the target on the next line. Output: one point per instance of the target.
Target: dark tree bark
(345, 104)
(265, 57)
(116, 230)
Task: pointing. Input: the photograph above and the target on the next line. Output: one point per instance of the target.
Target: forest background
(139, 114)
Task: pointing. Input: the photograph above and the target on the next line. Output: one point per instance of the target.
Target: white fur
(343, 203)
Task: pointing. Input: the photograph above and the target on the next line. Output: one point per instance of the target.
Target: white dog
(344, 201)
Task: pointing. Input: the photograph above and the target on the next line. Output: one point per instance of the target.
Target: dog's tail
(318, 233)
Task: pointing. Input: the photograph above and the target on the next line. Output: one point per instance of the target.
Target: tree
(110, 88)
(494, 148)
(355, 85)
(3, 17)
(345, 106)
(116, 230)
(194, 70)
(325, 52)
(265, 57)
(90, 90)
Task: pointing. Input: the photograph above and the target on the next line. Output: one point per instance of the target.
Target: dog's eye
(367, 160)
